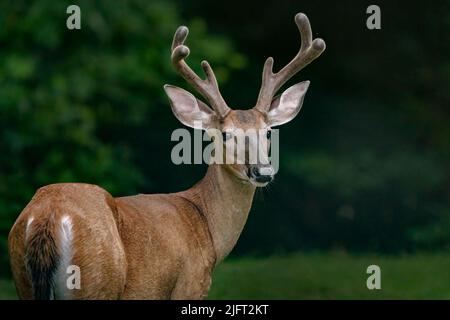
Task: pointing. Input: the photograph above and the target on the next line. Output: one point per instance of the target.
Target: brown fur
(159, 246)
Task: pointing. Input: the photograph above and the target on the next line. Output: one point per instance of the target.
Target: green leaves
(75, 104)
(365, 172)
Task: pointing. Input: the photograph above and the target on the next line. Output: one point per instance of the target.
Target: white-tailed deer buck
(159, 246)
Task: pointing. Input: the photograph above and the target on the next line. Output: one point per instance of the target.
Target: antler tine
(309, 51)
(209, 87)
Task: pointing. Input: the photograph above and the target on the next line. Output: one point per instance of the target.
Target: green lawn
(332, 276)
(324, 276)
(7, 290)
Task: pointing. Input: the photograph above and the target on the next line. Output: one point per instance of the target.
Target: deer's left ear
(286, 106)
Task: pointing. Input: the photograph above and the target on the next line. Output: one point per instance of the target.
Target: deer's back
(131, 247)
(169, 245)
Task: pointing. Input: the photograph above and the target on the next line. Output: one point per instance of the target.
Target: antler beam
(309, 51)
(208, 88)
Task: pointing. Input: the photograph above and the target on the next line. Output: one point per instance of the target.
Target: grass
(324, 276)
(332, 276)
(7, 290)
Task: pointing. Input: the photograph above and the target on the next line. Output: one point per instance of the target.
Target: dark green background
(364, 167)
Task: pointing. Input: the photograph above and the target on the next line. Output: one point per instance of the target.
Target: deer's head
(268, 112)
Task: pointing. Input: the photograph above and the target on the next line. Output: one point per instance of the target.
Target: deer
(158, 246)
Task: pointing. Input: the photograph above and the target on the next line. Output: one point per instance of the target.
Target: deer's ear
(188, 109)
(285, 107)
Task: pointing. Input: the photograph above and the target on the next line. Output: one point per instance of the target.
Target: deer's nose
(261, 174)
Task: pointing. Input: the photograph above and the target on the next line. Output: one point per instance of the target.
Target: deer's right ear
(188, 109)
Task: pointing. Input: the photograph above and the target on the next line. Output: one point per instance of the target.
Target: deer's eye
(269, 134)
(226, 136)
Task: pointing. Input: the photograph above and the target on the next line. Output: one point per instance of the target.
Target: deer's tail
(42, 256)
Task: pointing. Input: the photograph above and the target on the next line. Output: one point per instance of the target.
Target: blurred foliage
(365, 167)
(73, 103)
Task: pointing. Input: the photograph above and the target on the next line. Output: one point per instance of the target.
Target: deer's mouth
(258, 184)
(260, 176)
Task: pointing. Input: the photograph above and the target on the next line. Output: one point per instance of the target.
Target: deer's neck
(226, 201)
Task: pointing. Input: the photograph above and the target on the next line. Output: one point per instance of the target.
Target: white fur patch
(66, 254)
(27, 229)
